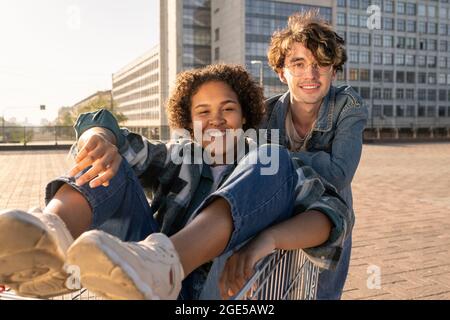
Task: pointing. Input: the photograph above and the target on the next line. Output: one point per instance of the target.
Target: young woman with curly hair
(199, 211)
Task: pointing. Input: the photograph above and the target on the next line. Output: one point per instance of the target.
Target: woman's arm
(306, 230)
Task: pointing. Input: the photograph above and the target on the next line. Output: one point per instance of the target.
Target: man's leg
(331, 283)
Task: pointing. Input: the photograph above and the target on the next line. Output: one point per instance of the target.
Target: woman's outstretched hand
(240, 266)
(97, 149)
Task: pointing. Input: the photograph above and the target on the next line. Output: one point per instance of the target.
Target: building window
(411, 43)
(442, 95)
(442, 62)
(388, 76)
(400, 77)
(399, 94)
(432, 11)
(341, 3)
(431, 94)
(422, 94)
(422, 61)
(399, 59)
(341, 19)
(400, 111)
(388, 111)
(443, 29)
(401, 8)
(354, 38)
(431, 61)
(353, 74)
(401, 25)
(377, 58)
(388, 58)
(387, 94)
(432, 45)
(353, 56)
(442, 13)
(217, 34)
(376, 93)
(388, 23)
(409, 94)
(422, 10)
(377, 111)
(353, 20)
(421, 111)
(441, 112)
(442, 78)
(411, 9)
(354, 4)
(431, 78)
(410, 111)
(364, 57)
(411, 26)
(364, 39)
(377, 75)
(388, 41)
(422, 27)
(410, 77)
(443, 46)
(422, 77)
(364, 75)
(431, 111)
(377, 41)
(401, 42)
(388, 6)
(410, 61)
(432, 28)
(364, 92)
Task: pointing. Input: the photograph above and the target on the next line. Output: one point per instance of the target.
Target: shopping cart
(283, 275)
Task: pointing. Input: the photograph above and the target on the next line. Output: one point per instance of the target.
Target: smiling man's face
(313, 84)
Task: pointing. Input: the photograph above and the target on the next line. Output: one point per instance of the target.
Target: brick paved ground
(402, 204)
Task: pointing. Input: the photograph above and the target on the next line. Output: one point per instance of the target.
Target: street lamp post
(261, 71)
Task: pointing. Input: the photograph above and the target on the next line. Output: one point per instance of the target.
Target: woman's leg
(73, 208)
(248, 202)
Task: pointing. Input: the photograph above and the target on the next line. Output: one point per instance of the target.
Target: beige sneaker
(32, 253)
(149, 269)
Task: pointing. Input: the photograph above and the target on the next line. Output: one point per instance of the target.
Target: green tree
(68, 117)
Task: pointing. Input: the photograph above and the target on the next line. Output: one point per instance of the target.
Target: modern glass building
(401, 68)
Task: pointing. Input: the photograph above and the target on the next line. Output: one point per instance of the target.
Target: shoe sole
(30, 260)
(104, 273)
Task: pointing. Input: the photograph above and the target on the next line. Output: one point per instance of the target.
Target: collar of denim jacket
(324, 118)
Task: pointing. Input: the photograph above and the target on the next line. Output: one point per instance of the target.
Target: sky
(58, 52)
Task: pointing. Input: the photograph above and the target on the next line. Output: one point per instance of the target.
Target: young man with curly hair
(202, 211)
(320, 124)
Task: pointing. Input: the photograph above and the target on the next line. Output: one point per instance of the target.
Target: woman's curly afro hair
(249, 93)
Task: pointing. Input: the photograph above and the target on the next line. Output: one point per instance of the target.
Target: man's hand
(240, 266)
(97, 148)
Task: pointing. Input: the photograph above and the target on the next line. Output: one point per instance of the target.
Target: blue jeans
(121, 208)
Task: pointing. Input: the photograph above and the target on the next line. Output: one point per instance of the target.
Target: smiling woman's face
(215, 108)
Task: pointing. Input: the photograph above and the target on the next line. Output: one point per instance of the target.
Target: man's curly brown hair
(249, 93)
(309, 29)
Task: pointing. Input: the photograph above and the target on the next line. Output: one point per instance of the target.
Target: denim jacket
(335, 145)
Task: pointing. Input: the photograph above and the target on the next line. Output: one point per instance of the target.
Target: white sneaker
(32, 253)
(149, 269)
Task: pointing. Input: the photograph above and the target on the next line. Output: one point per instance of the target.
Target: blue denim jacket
(335, 146)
